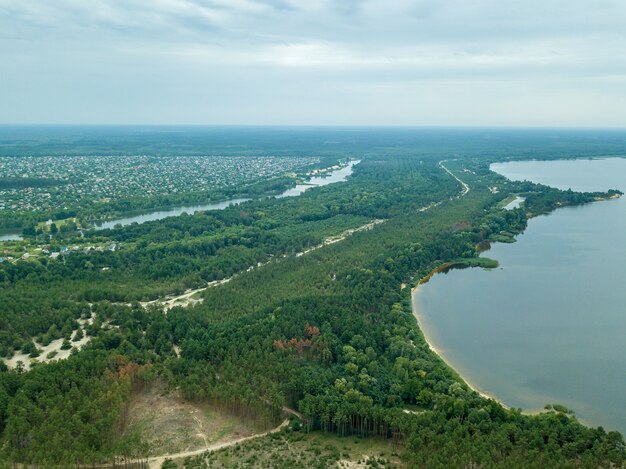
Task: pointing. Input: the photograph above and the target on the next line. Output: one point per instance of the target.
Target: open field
(289, 449)
(169, 424)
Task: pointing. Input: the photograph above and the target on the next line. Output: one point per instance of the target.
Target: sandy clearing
(156, 462)
(54, 346)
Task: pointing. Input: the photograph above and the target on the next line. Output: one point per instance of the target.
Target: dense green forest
(329, 333)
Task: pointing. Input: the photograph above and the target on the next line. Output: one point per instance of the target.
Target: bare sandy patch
(50, 352)
(169, 424)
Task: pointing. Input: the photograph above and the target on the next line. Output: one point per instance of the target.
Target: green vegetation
(329, 333)
(483, 262)
(549, 200)
(288, 449)
(103, 187)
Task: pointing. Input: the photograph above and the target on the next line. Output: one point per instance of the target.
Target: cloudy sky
(343, 62)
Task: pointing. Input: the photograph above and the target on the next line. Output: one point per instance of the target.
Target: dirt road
(155, 462)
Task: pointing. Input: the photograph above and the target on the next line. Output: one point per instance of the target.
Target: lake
(548, 325)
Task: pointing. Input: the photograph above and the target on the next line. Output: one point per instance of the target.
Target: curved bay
(549, 325)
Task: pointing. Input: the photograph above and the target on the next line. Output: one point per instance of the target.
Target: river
(173, 212)
(10, 236)
(548, 326)
(337, 175)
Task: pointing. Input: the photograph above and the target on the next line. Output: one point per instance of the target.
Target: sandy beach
(438, 351)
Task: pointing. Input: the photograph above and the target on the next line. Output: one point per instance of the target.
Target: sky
(552, 63)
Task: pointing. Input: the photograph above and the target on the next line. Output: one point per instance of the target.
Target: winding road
(155, 462)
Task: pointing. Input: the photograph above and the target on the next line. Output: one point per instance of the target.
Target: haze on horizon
(351, 62)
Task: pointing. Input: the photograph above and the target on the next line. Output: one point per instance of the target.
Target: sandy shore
(438, 351)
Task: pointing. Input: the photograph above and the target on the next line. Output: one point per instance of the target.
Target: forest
(329, 333)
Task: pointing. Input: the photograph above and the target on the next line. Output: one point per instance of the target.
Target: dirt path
(342, 236)
(186, 298)
(466, 188)
(290, 411)
(464, 191)
(155, 462)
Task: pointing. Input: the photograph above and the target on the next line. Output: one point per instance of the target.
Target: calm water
(338, 175)
(158, 215)
(549, 325)
(10, 237)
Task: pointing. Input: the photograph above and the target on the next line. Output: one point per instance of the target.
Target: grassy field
(289, 449)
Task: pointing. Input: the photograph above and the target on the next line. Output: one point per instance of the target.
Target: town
(77, 181)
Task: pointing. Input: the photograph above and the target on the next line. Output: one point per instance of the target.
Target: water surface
(549, 325)
(10, 236)
(173, 212)
(338, 175)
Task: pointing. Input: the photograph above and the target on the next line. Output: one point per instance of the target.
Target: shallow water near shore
(548, 326)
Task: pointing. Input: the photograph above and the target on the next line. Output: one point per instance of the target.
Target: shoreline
(441, 354)
(433, 347)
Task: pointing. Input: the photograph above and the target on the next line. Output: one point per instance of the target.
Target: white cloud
(248, 50)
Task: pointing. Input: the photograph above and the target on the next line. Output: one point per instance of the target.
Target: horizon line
(325, 126)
